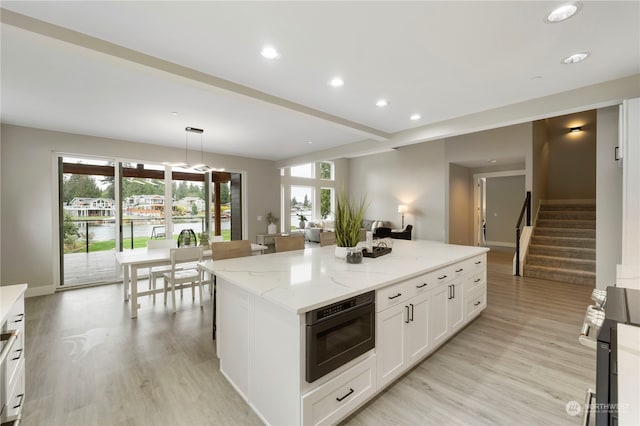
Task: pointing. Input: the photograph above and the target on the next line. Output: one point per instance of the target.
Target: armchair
(405, 234)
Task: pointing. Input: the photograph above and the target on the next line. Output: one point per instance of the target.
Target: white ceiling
(440, 59)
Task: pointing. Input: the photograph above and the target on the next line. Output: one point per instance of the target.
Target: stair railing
(526, 208)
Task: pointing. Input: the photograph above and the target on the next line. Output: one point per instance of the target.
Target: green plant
(302, 217)
(349, 215)
(271, 218)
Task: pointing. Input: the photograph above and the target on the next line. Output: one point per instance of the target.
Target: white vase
(341, 252)
(272, 228)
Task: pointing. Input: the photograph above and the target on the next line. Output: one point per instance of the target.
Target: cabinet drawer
(394, 294)
(15, 322)
(474, 281)
(478, 263)
(423, 283)
(15, 393)
(475, 301)
(338, 397)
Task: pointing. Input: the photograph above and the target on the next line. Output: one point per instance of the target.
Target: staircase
(563, 245)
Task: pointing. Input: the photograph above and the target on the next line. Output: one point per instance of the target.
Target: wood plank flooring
(88, 363)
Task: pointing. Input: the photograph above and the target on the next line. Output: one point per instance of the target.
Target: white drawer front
(335, 399)
(475, 301)
(474, 281)
(394, 294)
(15, 394)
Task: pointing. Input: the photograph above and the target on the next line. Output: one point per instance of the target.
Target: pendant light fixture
(201, 167)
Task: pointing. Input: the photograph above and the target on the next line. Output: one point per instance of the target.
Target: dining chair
(227, 250)
(327, 238)
(157, 271)
(216, 238)
(291, 242)
(230, 249)
(180, 277)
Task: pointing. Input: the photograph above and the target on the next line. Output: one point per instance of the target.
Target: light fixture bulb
(336, 82)
(562, 13)
(575, 58)
(270, 52)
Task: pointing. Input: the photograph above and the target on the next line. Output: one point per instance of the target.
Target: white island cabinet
(261, 321)
(12, 357)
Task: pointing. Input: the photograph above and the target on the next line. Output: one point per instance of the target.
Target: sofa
(378, 227)
(315, 227)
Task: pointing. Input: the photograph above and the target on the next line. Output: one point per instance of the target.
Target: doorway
(498, 199)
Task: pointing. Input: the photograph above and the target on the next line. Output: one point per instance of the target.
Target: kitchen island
(425, 292)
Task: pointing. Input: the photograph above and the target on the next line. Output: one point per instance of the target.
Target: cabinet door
(233, 334)
(455, 310)
(418, 343)
(390, 343)
(438, 321)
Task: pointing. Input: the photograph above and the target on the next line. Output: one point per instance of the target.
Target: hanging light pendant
(201, 167)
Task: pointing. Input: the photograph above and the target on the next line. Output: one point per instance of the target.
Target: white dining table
(142, 258)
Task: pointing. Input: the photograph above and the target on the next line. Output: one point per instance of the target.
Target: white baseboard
(40, 290)
(499, 244)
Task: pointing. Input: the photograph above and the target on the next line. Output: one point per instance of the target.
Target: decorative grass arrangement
(349, 217)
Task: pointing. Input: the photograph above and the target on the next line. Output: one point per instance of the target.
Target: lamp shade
(402, 208)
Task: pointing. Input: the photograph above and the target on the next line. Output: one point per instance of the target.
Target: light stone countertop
(8, 296)
(302, 280)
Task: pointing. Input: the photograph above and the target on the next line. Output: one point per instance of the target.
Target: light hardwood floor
(88, 363)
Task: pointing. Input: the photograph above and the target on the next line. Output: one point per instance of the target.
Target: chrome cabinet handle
(460, 270)
(396, 296)
(442, 277)
(477, 280)
(406, 321)
(348, 393)
(422, 285)
(454, 291)
(477, 303)
(411, 304)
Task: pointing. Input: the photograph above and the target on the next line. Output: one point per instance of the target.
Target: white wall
(608, 199)
(28, 180)
(414, 175)
(460, 205)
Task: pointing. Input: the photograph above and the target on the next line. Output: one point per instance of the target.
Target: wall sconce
(575, 130)
(402, 208)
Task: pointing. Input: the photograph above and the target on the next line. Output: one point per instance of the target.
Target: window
(301, 204)
(303, 171)
(307, 190)
(326, 170)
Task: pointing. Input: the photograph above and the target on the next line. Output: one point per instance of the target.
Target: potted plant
(348, 220)
(272, 221)
(204, 238)
(303, 219)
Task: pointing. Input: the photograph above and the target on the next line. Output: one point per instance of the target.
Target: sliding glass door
(87, 221)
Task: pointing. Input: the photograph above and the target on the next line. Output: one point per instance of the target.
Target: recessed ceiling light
(563, 12)
(174, 113)
(415, 117)
(270, 52)
(575, 58)
(336, 82)
(382, 103)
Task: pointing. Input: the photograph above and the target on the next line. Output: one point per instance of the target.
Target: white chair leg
(173, 296)
(165, 291)
(193, 291)
(200, 288)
